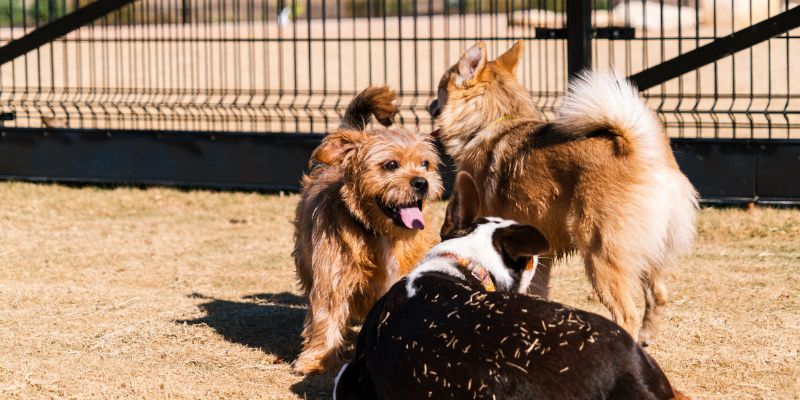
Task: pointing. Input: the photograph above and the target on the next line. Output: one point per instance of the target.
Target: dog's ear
(518, 243)
(470, 65)
(463, 208)
(336, 145)
(510, 58)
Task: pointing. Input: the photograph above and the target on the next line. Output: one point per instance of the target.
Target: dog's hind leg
(655, 297)
(614, 286)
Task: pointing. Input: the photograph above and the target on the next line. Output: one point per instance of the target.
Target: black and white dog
(444, 332)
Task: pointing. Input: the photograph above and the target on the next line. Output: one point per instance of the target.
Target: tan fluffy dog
(600, 179)
(360, 224)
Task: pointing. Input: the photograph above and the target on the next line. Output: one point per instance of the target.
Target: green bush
(43, 11)
(36, 12)
(10, 11)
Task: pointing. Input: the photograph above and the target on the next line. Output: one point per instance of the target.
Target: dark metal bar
(717, 49)
(60, 27)
(243, 161)
(610, 32)
(579, 33)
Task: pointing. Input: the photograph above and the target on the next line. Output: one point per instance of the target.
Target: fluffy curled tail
(374, 100)
(605, 102)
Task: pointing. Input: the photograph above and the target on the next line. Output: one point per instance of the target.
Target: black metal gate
(719, 74)
(234, 93)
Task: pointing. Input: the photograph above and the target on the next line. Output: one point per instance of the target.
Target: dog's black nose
(433, 108)
(420, 184)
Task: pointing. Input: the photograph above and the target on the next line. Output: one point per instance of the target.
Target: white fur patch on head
(527, 276)
(476, 246)
(427, 266)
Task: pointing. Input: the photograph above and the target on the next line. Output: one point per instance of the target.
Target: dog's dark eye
(390, 165)
(425, 164)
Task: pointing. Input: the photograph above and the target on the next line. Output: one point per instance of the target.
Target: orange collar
(477, 270)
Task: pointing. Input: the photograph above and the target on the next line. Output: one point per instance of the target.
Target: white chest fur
(390, 261)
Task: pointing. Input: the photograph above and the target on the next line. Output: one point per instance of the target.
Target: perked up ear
(510, 58)
(470, 65)
(464, 206)
(518, 243)
(336, 145)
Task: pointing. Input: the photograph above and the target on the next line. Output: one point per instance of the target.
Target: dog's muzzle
(420, 185)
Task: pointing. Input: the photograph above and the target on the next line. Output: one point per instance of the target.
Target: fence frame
(723, 170)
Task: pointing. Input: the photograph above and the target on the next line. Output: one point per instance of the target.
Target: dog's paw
(304, 366)
(646, 337)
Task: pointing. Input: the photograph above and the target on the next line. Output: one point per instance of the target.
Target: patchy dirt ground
(158, 293)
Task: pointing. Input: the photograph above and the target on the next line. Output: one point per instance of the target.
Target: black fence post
(579, 32)
(186, 12)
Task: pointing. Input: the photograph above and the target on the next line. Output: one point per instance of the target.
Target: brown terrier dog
(600, 179)
(360, 223)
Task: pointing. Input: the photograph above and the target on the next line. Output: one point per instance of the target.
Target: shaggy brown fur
(600, 179)
(351, 241)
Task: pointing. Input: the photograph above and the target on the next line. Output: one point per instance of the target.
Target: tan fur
(348, 252)
(618, 198)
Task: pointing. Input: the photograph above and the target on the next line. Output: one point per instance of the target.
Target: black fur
(454, 340)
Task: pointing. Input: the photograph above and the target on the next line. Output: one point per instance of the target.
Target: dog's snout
(433, 108)
(420, 184)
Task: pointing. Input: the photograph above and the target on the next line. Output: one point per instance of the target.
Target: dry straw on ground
(112, 293)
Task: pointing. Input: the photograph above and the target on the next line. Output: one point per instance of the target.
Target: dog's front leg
(540, 285)
(324, 329)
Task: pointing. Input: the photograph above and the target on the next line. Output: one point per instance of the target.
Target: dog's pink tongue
(412, 218)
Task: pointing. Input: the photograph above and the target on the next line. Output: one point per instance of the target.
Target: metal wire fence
(292, 66)
(753, 93)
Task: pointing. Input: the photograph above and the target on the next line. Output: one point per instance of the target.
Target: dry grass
(158, 293)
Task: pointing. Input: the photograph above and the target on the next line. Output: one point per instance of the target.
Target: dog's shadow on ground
(271, 322)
